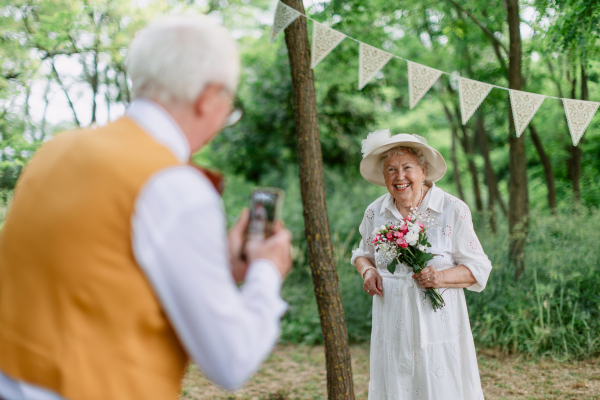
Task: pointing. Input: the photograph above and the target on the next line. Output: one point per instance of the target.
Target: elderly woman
(416, 352)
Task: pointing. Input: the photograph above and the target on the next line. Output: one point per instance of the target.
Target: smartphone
(266, 204)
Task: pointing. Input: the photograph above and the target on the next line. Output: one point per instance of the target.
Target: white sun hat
(381, 141)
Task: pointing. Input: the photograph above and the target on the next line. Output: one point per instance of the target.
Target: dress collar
(434, 200)
(160, 125)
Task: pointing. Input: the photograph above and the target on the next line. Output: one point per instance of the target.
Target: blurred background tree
(62, 66)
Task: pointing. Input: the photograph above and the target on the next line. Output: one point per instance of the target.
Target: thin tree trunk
(547, 165)
(316, 224)
(64, 89)
(94, 84)
(455, 170)
(485, 151)
(46, 103)
(518, 202)
(489, 172)
(468, 149)
(576, 154)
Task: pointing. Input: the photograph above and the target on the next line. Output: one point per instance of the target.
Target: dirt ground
(298, 372)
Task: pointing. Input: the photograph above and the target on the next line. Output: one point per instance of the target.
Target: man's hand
(277, 249)
(239, 267)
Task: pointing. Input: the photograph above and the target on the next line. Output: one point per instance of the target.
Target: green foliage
(554, 310)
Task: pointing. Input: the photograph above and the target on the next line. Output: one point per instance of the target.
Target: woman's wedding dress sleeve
(467, 250)
(365, 248)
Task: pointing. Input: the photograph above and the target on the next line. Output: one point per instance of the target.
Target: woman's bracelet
(364, 271)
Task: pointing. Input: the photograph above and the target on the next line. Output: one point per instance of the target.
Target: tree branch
(62, 86)
(489, 33)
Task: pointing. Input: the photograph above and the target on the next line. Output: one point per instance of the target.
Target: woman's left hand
(429, 277)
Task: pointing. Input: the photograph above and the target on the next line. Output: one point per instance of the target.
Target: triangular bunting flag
(284, 16)
(579, 114)
(471, 94)
(324, 40)
(370, 61)
(524, 106)
(420, 79)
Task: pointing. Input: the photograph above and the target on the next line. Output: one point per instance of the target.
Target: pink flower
(391, 226)
(398, 234)
(421, 225)
(403, 244)
(389, 235)
(374, 240)
(404, 229)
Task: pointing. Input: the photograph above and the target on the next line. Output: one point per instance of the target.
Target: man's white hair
(174, 58)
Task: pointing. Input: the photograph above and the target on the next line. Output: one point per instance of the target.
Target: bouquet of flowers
(406, 242)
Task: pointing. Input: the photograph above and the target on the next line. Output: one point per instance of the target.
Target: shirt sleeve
(180, 242)
(467, 250)
(365, 248)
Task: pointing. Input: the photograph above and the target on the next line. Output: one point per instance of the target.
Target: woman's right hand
(373, 283)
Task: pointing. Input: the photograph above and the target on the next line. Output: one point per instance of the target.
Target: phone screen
(265, 209)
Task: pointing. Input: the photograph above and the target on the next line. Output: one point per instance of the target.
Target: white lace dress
(417, 353)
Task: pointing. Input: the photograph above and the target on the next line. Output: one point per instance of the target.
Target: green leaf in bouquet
(392, 266)
(426, 256)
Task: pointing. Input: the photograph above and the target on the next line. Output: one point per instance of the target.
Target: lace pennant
(324, 40)
(370, 61)
(471, 93)
(579, 114)
(420, 80)
(284, 16)
(524, 106)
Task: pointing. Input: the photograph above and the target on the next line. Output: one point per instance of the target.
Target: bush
(553, 310)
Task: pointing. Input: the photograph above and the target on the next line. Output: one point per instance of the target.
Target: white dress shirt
(179, 240)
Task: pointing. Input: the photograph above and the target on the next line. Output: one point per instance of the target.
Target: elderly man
(115, 267)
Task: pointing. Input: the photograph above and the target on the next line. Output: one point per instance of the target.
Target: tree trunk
(455, 171)
(490, 176)
(456, 174)
(547, 164)
(468, 149)
(576, 152)
(518, 202)
(316, 225)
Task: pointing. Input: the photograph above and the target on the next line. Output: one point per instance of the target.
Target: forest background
(62, 65)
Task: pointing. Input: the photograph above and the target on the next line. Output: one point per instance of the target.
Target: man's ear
(207, 98)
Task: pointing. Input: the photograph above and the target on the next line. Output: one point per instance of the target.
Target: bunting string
(421, 78)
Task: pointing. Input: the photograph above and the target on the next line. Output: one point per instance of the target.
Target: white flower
(386, 252)
(411, 238)
(375, 231)
(375, 140)
(414, 228)
(422, 247)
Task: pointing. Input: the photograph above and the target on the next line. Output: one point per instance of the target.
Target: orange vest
(77, 314)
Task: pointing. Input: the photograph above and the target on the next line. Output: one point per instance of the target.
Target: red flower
(404, 229)
(389, 235)
(402, 243)
(398, 234)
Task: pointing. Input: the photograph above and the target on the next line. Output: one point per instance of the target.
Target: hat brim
(370, 167)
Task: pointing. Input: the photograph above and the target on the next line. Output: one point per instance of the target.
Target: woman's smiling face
(404, 178)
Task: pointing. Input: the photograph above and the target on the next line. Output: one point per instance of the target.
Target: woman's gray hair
(400, 150)
(174, 58)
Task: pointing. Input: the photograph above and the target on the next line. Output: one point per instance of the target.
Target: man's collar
(160, 125)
